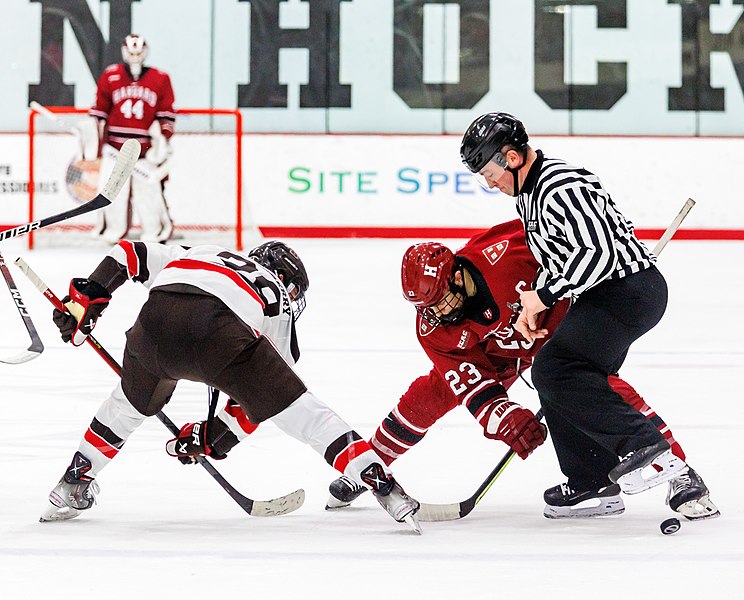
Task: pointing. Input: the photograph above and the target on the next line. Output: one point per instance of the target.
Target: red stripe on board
(280, 231)
(132, 258)
(100, 444)
(198, 265)
(350, 453)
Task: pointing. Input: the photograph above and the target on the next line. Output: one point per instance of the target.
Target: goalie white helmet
(134, 53)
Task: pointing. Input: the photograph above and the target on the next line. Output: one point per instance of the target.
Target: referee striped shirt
(575, 231)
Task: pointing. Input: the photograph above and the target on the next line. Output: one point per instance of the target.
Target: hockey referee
(587, 251)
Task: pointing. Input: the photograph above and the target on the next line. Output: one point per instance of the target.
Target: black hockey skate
(690, 497)
(563, 502)
(74, 492)
(633, 474)
(343, 492)
(391, 496)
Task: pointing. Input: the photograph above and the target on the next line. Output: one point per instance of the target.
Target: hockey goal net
(204, 188)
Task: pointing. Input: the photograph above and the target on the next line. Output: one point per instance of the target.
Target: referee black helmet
(487, 136)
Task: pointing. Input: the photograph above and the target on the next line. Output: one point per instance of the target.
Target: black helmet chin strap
(515, 172)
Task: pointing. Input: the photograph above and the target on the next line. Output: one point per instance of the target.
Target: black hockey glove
(86, 302)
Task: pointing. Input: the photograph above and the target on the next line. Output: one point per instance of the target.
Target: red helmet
(426, 273)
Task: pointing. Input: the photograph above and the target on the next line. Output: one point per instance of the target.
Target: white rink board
(397, 181)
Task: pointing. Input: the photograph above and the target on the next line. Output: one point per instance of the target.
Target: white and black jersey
(575, 231)
(252, 292)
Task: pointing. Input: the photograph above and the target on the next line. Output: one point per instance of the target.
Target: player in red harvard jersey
(222, 318)
(466, 303)
(136, 101)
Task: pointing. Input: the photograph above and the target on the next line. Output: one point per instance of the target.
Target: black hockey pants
(196, 337)
(590, 424)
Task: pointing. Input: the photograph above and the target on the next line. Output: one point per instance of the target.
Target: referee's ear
(514, 158)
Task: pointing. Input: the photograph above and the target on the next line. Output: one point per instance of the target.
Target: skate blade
(635, 482)
(606, 508)
(55, 513)
(699, 510)
(334, 503)
(413, 521)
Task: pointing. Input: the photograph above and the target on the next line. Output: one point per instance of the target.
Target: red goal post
(234, 224)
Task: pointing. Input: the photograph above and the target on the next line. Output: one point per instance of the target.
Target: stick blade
(22, 357)
(438, 512)
(128, 156)
(278, 506)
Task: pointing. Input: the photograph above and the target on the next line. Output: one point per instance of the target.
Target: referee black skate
(588, 252)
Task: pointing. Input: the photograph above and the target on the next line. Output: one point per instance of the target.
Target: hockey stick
(458, 510)
(255, 508)
(36, 347)
(128, 155)
(674, 226)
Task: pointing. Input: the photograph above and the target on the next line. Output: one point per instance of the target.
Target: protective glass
(297, 300)
(493, 171)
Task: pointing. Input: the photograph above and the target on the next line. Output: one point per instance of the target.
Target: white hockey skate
(647, 467)
(689, 496)
(391, 496)
(343, 491)
(74, 493)
(563, 502)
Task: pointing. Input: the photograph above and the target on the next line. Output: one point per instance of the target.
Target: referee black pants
(590, 424)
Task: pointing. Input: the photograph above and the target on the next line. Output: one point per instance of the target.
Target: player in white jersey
(222, 318)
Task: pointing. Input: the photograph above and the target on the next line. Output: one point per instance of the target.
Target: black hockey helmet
(281, 259)
(487, 135)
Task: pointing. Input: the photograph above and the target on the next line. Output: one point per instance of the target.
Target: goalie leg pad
(113, 220)
(149, 204)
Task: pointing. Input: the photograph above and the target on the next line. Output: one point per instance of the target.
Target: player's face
(448, 304)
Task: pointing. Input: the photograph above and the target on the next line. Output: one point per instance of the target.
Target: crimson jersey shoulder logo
(495, 251)
(424, 327)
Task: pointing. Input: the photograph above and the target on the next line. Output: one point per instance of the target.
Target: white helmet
(134, 52)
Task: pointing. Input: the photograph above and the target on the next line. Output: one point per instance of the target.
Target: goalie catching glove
(508, 422)
(190, 443)
(86, 302)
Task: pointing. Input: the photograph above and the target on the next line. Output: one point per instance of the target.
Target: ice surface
(162, 529)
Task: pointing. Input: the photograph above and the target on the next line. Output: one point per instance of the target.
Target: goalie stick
(36, 347)
(458, 510)
(128, 155)
(256, 508)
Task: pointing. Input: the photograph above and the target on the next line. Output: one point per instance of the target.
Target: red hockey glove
(86, 302)
(508, 422)
(190, 443)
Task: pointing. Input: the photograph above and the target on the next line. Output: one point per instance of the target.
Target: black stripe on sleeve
(484, 397)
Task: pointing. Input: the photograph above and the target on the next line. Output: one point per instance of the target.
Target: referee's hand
(527, 321)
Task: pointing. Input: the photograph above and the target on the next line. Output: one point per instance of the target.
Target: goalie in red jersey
(467, 303)
(135, 101)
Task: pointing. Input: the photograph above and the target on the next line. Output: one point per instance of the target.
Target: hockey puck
(670, 526)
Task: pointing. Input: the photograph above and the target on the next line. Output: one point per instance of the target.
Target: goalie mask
(282, 260)
(427, 278)
(134, 53)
